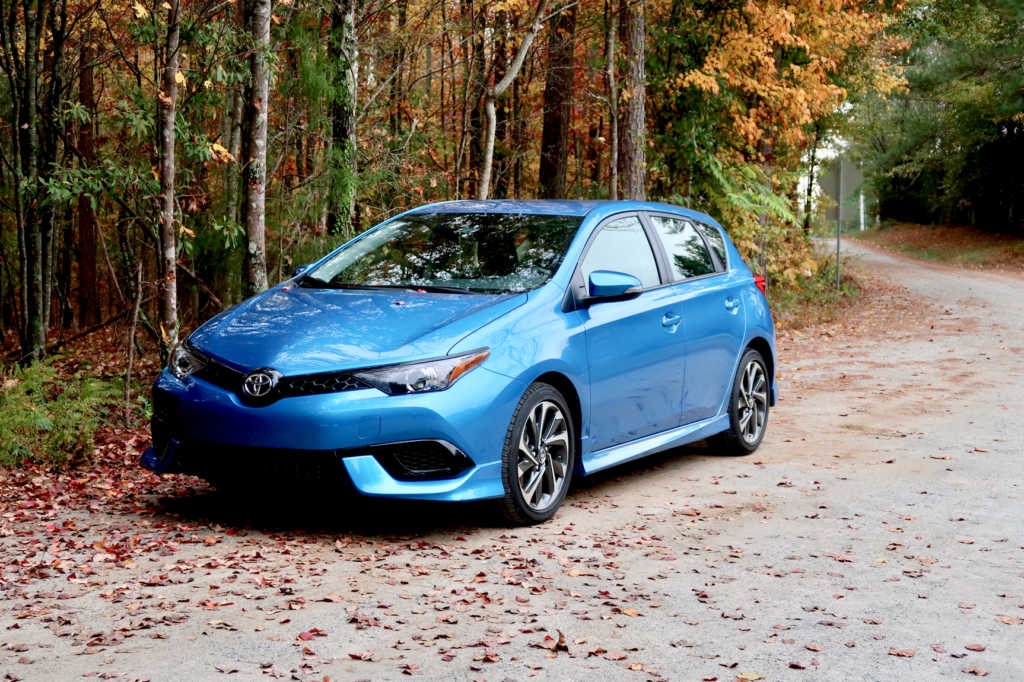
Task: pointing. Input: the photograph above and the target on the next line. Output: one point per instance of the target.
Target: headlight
(420, 377)
(184, 362)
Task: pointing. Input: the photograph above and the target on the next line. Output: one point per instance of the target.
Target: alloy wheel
(543, 455)
(753, 403)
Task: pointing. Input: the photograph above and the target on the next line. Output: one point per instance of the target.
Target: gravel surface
(874, 536)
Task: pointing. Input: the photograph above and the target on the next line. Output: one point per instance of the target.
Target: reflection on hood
(300, 331)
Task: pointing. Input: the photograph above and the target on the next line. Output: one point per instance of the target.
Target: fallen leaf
(905, 653)
(975, 647)
(365, 656)
(980, 672)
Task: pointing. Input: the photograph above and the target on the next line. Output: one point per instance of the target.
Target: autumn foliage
(375, 108)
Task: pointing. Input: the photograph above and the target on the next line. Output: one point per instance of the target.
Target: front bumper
(342, 438)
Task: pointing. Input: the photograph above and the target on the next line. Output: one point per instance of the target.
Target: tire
(746, 404)
(530, 468)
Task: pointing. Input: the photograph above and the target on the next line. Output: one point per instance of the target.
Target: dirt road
(876, 535)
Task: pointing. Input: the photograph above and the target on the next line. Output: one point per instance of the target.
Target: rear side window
(622, 246)
(687, 253)
(717, 242)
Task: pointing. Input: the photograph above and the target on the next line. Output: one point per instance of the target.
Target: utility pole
(839, 224)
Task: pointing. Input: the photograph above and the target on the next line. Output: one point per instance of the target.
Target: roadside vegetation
(814, 298)
(50, 418)
(966, 246)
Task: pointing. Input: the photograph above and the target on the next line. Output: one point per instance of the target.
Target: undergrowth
(813, 299)
(47, 418)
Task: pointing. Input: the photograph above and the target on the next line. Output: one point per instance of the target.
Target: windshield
(493, 253)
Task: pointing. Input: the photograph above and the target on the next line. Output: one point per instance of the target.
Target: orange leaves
(779, 58)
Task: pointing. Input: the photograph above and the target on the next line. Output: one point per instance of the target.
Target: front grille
(287, 387)
(314, 384)
(221, 375)
(222, 462)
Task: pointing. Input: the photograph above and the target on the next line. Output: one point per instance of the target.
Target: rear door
(634, 348)
(710, 300)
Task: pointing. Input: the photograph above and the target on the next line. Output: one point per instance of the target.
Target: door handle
(732, 303)
(670, 320)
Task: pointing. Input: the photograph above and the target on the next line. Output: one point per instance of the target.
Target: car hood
(300, 331)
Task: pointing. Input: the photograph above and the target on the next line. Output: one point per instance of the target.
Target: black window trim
(578, 287)
(660, 248)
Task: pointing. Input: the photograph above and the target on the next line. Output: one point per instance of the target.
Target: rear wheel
(539, 455)
(748, 408)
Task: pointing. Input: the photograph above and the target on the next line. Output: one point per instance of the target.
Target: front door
(635, 347)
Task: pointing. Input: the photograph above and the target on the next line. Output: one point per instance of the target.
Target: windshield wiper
(316, 283)
(442, 289)
(433, 288)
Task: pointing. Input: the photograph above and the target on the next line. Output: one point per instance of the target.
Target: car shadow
(294, 509)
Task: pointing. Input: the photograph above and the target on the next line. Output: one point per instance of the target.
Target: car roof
(553, 207)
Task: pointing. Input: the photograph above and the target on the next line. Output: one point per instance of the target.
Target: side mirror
(300, 269)
(606, 286)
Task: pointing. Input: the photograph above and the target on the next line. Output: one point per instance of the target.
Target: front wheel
(538, 458)
(748, 408)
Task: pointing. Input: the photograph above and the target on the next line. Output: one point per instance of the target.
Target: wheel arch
(762, 346)
(567, 388)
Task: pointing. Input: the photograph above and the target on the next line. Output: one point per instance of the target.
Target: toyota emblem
(258, 384)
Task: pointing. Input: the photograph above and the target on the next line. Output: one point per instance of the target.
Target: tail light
(761, 283)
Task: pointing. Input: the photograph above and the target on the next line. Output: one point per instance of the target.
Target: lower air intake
(422, 459)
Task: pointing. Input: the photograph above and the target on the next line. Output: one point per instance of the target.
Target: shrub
(47, 418)
(814, 299)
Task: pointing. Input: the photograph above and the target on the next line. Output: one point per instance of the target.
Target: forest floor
(965, 246)
(875, 535)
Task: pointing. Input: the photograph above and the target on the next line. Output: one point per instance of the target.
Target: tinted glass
(477, 252)
(687, 254)
(622, 246)
(717, 242)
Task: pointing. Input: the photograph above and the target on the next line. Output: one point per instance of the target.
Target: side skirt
(651, 444)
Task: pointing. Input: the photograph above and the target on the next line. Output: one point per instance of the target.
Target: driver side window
(622, 246)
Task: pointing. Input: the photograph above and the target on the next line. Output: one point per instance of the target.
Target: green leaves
(46, 417)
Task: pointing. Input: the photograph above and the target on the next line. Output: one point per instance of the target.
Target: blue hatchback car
(479, 349)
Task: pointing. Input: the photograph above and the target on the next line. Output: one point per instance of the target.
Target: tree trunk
(810, 178)
(168, 239)
(518, 127)
(235, 147)
(613, 104)
(31, 238)
(634, 142)
(501, 150)
(477, 97)
(88, 291)
(254, 147)
(398, 65)
(343, 175)
(558, 91)
(491, 94)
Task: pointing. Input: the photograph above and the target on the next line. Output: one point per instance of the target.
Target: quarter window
(622, 246)
(717, 242)
(687, 254)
